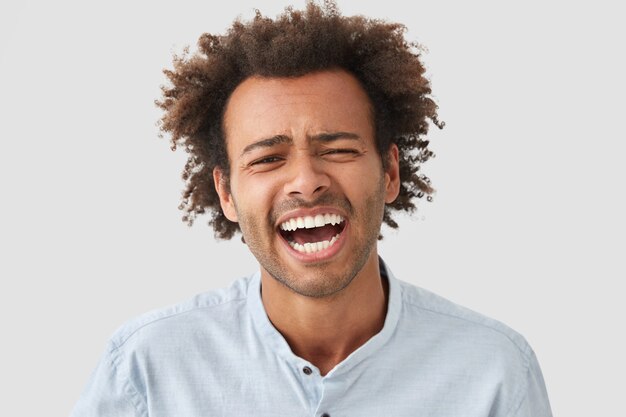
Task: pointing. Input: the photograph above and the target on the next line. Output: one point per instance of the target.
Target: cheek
(369, 188)
(254, 198)
(367, 178)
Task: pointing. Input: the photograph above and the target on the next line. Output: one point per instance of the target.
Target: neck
(326, 330)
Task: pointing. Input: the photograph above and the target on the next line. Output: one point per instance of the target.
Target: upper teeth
(309, 222)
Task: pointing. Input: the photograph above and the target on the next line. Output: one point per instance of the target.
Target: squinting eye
(336, 151)
(266, 160)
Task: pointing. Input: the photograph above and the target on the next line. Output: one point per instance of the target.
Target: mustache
(295, 203)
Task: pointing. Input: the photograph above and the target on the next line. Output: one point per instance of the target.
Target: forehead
(314, 103)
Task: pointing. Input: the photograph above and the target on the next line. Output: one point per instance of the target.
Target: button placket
(311, 384)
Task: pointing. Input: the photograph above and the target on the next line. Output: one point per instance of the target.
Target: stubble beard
(320, 281)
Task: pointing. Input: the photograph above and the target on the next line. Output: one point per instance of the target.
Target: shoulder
(490, 358)
(460, 332)
(157, 347)
(456, 345)
(424, 303)
(204, 310)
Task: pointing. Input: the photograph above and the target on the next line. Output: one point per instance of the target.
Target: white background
(527, 225)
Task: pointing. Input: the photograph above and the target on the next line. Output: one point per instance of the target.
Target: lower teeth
(314, 246)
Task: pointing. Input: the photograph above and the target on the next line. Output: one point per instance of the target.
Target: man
(304, 133)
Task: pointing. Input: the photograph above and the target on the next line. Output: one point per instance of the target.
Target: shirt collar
(277, 342)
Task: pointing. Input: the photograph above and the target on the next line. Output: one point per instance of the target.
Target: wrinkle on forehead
(324, 101)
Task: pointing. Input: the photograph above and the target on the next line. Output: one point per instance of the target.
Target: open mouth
(310, 234)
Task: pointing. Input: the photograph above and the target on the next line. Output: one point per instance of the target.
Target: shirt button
(309, 371)
(325, 415)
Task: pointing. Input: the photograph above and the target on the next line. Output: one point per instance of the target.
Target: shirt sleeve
(534, 402)
(108, 392)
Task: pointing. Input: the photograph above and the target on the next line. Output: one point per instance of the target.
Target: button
(308, 371)
(325, 415)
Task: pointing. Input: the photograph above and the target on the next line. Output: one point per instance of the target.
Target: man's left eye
(339, 151)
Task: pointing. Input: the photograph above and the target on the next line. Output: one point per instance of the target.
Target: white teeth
(310, 222)
(314, 246)
(319, 220)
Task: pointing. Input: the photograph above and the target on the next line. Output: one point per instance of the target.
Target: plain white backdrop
(527, 225)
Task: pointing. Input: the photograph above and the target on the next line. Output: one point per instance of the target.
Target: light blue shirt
(219, 355)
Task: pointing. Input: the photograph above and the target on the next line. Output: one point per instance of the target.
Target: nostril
(306, 181)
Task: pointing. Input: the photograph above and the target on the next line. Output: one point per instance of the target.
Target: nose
(307, 178)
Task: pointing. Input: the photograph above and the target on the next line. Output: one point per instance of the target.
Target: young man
(304, 133)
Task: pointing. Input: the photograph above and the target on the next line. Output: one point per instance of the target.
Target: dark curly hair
(294, 44)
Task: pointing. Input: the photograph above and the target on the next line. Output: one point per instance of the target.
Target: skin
(321, 155)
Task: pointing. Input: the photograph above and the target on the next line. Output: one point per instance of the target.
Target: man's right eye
(266, 160)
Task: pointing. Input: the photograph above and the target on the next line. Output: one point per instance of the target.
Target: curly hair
(294, 44)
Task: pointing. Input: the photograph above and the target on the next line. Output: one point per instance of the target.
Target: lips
(312, 234)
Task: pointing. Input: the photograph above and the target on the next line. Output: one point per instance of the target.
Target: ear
(392, 174)
(226, 198)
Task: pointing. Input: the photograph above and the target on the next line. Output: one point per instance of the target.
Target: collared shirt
(219, 355)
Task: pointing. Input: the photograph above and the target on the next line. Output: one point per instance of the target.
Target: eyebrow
(282, 139)
(329, 137)
(266, 143)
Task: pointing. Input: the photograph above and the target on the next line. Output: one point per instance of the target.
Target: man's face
(307, 185)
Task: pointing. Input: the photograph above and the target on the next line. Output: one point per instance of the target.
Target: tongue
(315, 234)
